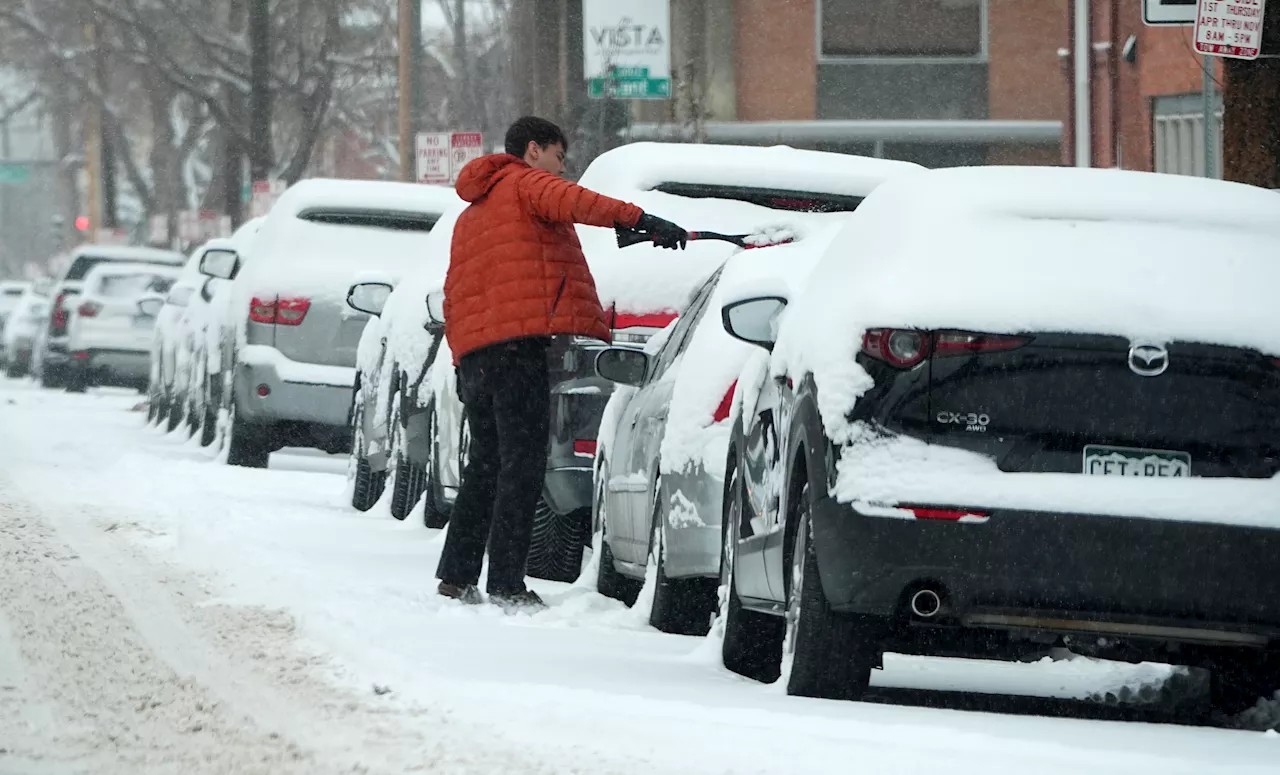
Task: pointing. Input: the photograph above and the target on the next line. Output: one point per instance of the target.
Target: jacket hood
(482, 174)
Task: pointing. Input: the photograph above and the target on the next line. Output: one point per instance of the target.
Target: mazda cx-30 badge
(1148, 360)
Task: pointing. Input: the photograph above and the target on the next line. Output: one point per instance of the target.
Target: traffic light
(82, 223)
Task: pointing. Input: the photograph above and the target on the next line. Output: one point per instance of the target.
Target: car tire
(555, 553)
(247, 445)
(752, 645)
(174, 418)
(75, 381)
(1237, 683)
(367, 486)
(209, 422)
(610, 582)
(51, 377)
(680, 606)
(435, 512)
(833, 653)
(402, 487)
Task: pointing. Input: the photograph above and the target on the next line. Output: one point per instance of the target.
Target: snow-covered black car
(1015, 408)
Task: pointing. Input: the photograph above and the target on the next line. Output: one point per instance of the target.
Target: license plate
(1102, 460)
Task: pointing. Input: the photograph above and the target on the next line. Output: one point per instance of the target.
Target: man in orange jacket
(517, 277)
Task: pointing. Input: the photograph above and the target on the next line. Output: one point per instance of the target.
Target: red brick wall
(777, 70)
(1025, 80)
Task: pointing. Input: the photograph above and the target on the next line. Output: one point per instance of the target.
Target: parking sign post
(442, 155)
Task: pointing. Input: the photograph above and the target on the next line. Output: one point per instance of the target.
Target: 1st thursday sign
(627, 50)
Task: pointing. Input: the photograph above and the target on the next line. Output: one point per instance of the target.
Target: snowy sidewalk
(277, 630)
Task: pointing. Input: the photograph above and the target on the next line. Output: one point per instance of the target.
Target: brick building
(939, 82)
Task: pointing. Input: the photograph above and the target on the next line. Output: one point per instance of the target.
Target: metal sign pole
(1210, 117)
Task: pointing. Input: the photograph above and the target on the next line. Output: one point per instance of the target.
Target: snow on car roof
(313, 257)
(1007, 250)
(643, 278)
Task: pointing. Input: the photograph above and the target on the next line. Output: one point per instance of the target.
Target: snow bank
(1008, 250)
(643, 278)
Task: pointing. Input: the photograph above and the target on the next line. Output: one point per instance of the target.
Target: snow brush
(763, 239)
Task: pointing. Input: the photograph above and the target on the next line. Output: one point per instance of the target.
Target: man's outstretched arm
(556, 199)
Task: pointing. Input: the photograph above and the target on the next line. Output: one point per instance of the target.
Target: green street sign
(629, 83)
(14, 174)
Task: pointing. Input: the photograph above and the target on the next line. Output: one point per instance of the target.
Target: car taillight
(89, 309)
(262, 310)
(291, 312)
(902, 348)
(584, 447)
(59, 312)
(947, 343)
(726, 403)
(905, 348)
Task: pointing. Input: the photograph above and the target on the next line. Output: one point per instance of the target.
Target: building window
(917, 29)
(1178, 129)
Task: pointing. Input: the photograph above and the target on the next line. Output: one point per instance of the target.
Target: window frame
(981, 57)
(675, 344)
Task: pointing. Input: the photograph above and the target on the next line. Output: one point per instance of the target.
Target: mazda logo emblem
(1148, 360)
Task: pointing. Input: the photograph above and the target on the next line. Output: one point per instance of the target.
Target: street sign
(1230, 28)
(189, 226)
(626, 49)
(442, 155)
(14, 174)
(1159, 13)
(433, 158)
(158, 229)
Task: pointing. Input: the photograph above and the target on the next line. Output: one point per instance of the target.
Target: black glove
(664, 234)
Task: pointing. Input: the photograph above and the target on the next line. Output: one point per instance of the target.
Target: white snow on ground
(162, 614)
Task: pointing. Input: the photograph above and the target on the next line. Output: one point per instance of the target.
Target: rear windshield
(773, 198)
(81, 266)
(116, 286)
(376, 219)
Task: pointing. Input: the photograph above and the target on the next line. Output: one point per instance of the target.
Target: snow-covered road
(160, 612)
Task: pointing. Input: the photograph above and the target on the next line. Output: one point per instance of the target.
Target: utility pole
(406, 20)
(93, 153)
(1251, 103)
(261, 157)
(107, 159)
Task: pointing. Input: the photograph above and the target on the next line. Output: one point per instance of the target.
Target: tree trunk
(261, 156)
(1251, 112)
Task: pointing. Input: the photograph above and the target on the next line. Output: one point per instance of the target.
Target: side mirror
(222, 264)
(150, 306)
(435, 308)
(754, 321)
(369, 297)
(623, 365)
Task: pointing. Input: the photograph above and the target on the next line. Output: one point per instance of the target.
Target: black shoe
(467, 594)
(525, 600)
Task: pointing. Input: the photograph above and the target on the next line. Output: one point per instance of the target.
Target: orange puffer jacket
(516, 268)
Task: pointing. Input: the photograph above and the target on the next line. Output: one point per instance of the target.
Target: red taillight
(726, 403)
(584, 447)
(291, 312)
(948, 515)
(902, 348)
(651, 320)
(964, 343)
(905, 348)
(262, 310)
(80, 355)
(89, 309)
(60, 312)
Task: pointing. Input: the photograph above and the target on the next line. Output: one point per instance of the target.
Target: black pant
(507, 394)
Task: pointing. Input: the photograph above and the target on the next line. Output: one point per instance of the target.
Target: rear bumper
(576, 408)
(104, 364)
(1052, 572)
(295, 392)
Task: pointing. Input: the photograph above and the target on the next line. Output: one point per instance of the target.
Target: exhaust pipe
(926, 604)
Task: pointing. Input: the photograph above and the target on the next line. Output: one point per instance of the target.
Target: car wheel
(367, 486)
(680, 606)
(752, 644)
(247, 443)
(209, 420)
(832, 654)
(555, 553)
(76, 381)
(51, 376)
(1237, 683)
(609, 582)
(405, 489)
(435, 513)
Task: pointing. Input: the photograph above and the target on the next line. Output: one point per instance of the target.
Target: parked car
(660, 462)
(26, 319)
(10, 293)
(1014, 407)
(51, 356)
(166, 391)
(213, 338)
(396, 350)
(292, 368)
(109, 336)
